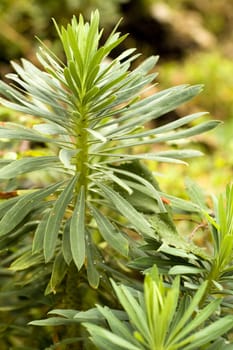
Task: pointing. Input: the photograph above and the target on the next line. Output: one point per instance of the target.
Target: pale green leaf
(198, 320)
(55, 219)
(196, 194)
(116, 325)
(167, 127)
(183, 270)
(188, 312)
(26, 260)
(135, 311)
(5, 205)
(66, 247)
(92, 272)
(52, 321)
(50, 129)
(59, 270)
(111, 235)
(77, 231)
(23, 207)
(127, 210)
(109, 339)
(20, 133)
(37, 244)
(29, 164)
(97, 135)
(209, 333)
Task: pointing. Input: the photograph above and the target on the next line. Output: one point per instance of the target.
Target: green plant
(101, 214)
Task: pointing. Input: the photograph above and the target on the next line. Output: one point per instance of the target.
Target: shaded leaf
(77, 231)
(111, 235)
(23, 207)
(127, 210)
(26, 165)
(55, 219)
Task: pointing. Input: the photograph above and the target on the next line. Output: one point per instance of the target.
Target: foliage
(101, 217)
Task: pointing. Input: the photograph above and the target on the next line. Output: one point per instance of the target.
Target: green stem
(82, 146)
(212, 276)
(73, 300)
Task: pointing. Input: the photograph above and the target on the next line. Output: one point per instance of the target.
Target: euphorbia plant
(104, 202)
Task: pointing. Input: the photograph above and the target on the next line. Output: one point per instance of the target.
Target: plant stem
(82, 147)
(73, 300)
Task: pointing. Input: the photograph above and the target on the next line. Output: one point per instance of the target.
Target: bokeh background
(194, 39)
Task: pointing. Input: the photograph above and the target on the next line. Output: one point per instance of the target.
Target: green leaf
(220, 344)
(55, 218)
(167, 127)
(150, 187)
(108, 340)
(135, 311)
(209, 333)
(26, 260)
(21, 133)
(161, 304)
(111, 235)
(196, 194)
(37, 244)
(6, 205)
(183, 270)
(92, 272)
(116, 325)
(26, 165)
(58, 273)
(23, 207)
(66, 247)
(188, 312)
(127, 210)
(52, 321)
(198, 320)
(77, 231)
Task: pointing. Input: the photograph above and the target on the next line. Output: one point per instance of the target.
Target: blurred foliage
(22, 20)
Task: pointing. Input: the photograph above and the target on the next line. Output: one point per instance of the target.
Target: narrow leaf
(26, 165)
(113, 341)
(37, 244)
(111, 235)
(55, 219)
(58, 273)
(77, 231)
(127, 210)
(209, 333)
(24, 205)
(183, 270)
(66, 247)
(92, 272)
